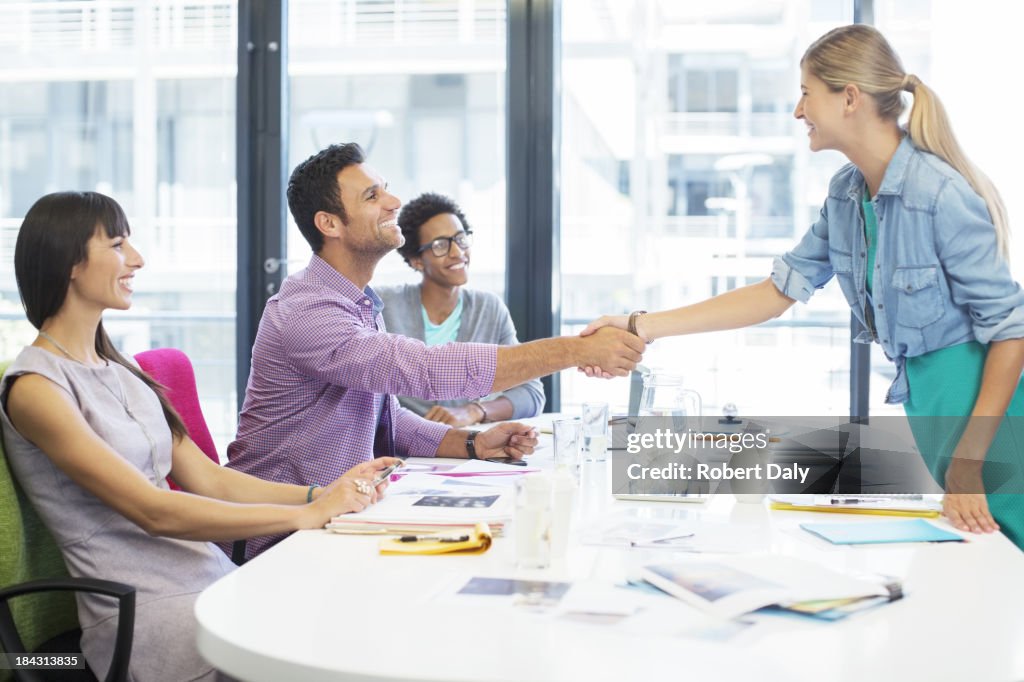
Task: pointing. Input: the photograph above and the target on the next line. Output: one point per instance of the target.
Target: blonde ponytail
(930, 130)
(860, 55)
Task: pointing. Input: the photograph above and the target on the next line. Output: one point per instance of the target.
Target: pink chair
(173, 369)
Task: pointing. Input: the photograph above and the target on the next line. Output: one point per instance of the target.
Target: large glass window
(961, 58)
(134, 99)
(683, 174)
(421, 86)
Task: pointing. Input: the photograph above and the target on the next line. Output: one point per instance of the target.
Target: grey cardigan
(485, 319)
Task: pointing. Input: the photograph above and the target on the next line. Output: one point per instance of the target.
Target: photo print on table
(461, 502)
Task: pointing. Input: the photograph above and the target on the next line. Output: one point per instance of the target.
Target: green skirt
(944, 386)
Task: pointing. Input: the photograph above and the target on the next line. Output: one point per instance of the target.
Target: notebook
(426, 502)
(882, 532)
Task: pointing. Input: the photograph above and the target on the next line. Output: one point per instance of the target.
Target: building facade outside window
(695, 104)
(421, 86)
(134, 99)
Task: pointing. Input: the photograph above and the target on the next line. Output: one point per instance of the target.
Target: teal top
(447, 331)
(944, 385)
(928, 372)
(871, 235)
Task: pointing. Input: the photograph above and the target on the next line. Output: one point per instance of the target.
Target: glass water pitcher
(665, 396)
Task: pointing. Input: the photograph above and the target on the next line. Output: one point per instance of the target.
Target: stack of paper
(424, 502)
(731, 587)
(829, 610)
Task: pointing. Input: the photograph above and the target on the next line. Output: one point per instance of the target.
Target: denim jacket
(939, 279)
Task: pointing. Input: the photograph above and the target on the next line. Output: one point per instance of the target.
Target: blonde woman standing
(917, 238)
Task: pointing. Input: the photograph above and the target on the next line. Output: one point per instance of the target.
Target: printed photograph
(450, 501)
(711, 581)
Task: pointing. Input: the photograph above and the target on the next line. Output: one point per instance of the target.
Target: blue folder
(916, 530)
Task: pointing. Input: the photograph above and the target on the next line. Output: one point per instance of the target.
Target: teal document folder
(916, 530)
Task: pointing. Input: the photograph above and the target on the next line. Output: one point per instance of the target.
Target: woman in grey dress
(91, 439)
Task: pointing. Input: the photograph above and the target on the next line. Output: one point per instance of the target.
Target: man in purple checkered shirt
(320, 397)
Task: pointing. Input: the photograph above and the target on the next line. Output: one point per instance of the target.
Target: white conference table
(323, 606)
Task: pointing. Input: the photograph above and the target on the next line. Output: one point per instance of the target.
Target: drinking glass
(533, 521)
(567, 435)
(595, 431)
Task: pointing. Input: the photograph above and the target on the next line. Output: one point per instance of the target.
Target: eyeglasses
(442, 246)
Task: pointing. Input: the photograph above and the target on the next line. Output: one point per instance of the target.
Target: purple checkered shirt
(324, 369)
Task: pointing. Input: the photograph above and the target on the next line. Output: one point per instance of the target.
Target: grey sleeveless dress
(98, 542)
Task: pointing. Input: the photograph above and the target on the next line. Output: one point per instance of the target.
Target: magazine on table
(730, 587)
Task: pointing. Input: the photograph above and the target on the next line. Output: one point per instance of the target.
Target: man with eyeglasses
(441, 308)
(320, 396)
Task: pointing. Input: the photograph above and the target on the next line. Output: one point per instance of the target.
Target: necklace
(120, 396)
(57, 344)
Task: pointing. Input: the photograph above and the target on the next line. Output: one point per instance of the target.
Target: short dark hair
(313, 187)
(420, 210)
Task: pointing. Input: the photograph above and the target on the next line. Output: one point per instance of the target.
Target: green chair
(37, 610)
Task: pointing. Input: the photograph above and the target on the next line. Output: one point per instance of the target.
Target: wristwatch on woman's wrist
(631, 323)
(470, 445)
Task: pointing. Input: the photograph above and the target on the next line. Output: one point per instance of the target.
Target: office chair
(172, 368)
(37, 612)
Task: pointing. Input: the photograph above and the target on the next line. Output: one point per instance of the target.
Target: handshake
(606, 349)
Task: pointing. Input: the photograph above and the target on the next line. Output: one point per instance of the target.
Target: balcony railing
(323, 23)
(106, 25)
(184, 245)
(728, 124)
(723, 226)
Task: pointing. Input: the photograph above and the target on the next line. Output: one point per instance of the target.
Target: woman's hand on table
(964, 503)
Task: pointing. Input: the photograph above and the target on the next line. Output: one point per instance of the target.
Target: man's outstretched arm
(613, 350)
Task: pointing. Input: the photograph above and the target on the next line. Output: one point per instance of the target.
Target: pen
(385, 473)
(867, 500)
(660, 542)
(508, 460)
(421, 538)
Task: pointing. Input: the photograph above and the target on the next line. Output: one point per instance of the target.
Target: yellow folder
(876, 511)
(474, 541)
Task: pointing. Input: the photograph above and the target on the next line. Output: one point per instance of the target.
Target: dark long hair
(53, 238)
